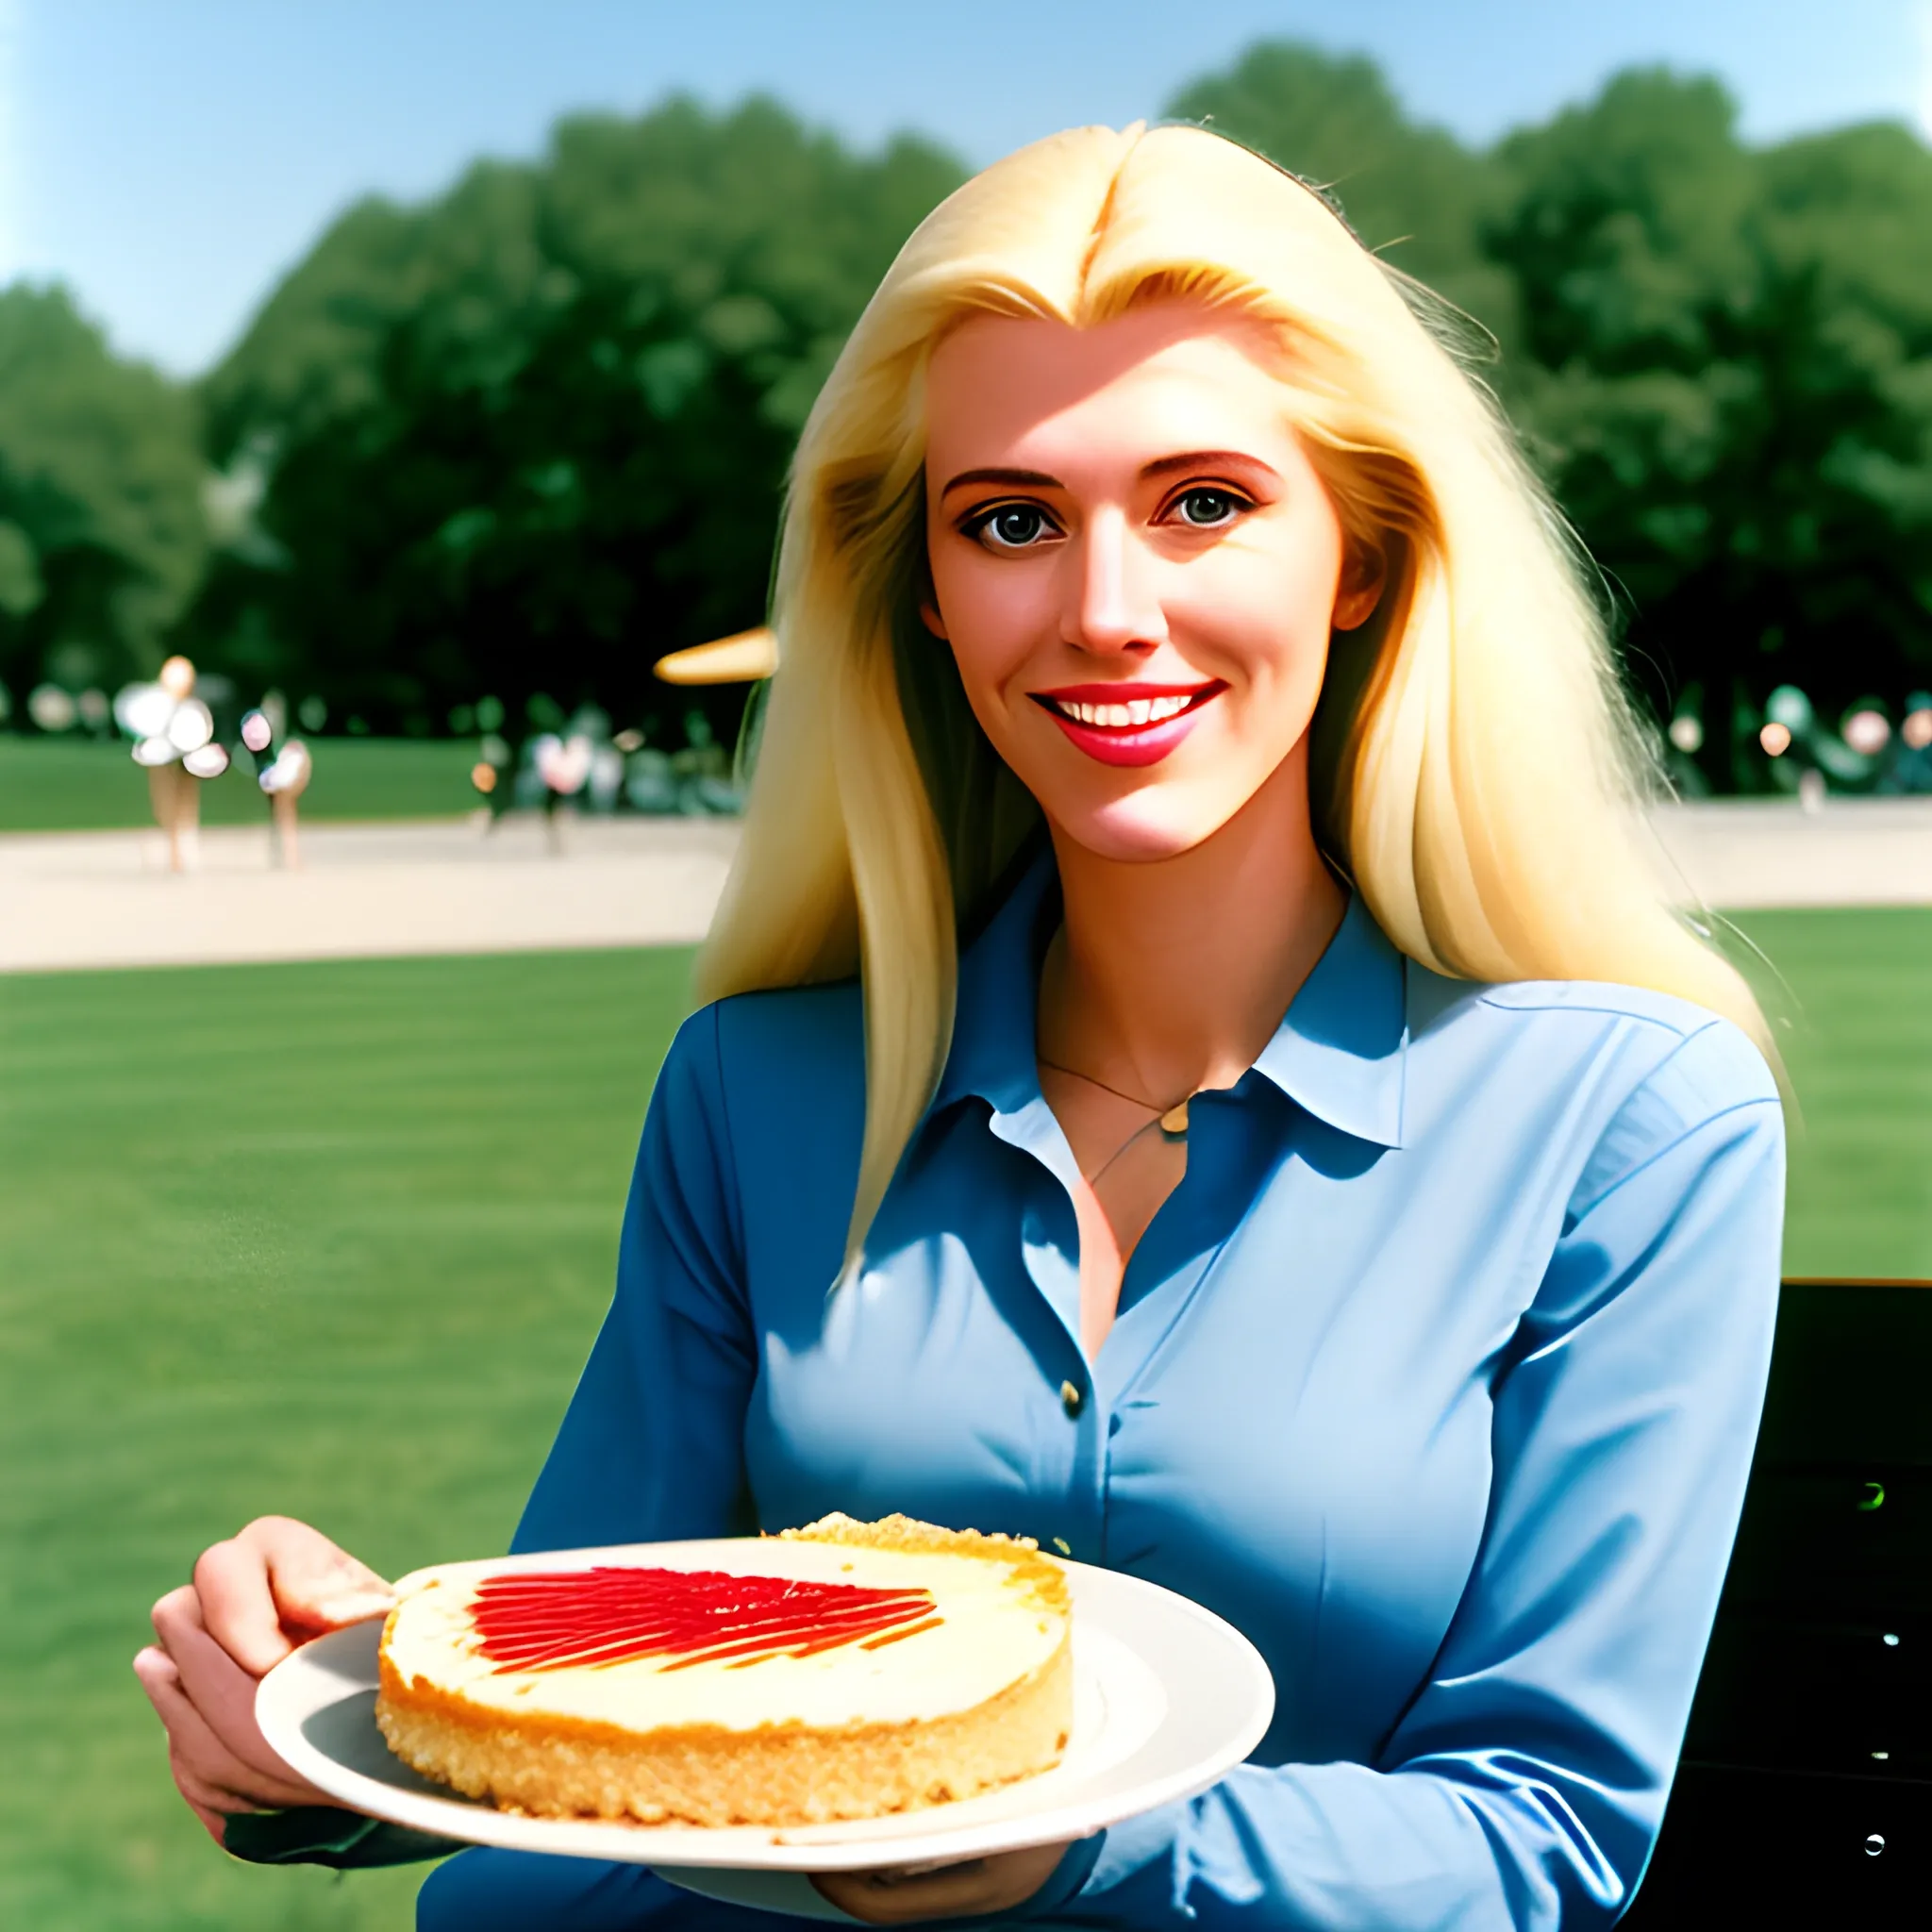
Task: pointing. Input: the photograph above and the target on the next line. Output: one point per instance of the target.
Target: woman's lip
(1127, 693)
(1129, 745)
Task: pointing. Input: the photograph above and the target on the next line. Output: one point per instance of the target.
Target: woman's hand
(898, 1894)
(253, 1600)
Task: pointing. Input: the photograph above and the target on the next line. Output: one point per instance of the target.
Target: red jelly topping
(553, 1619)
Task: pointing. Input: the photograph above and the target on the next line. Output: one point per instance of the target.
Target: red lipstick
(1145, 742)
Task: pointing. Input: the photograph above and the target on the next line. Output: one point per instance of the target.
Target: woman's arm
(1525, 1786)
(651, 1445)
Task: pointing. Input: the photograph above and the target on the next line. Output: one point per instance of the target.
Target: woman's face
(1135, 564)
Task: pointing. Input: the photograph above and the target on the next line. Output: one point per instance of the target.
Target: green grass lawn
(1858, 995)
(80, 784)
(333, 1239)
(327, 1240)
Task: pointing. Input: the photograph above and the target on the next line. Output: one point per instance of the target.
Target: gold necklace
(1173, 1119)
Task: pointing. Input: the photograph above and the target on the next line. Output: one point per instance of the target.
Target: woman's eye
(1205, 509)
(1010, 526)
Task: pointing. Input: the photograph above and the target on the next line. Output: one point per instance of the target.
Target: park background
(330, 1236)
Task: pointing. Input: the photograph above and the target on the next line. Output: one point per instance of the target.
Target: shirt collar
(993, 1050)
(1341, 1048)
(1338, 1051)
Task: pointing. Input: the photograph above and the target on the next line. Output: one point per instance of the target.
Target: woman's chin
(1154, 823)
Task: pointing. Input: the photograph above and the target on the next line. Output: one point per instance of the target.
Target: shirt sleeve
(1525, 1786)
(652, 1447)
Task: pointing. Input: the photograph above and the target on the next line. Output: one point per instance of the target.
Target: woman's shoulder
(1587, 1084)
(1700, 1048)
(1639, 1055)
(756, 1056)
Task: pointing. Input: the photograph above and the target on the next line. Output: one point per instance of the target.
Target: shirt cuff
(324, 1835)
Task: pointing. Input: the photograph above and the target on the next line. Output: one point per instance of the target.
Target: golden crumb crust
(1041, 1578)
(781, 1773)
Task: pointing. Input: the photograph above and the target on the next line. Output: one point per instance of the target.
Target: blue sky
(169, 157)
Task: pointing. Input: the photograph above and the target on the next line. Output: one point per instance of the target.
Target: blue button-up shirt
(1437, 1375)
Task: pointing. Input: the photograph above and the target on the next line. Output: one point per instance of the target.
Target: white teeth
(1117, 717)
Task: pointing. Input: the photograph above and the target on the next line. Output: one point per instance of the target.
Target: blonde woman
(1197, 1071)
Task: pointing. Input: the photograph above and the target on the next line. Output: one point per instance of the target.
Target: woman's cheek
(1002, 611)
(989, 630)
(991, 678)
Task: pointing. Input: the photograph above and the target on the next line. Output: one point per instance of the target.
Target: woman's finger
(213, 1806)
(149, 1667)
(220, 1689)
(236, 1606)
(277, 1581)
(217, 1770)
(202, 1793)
(318, 1585)
(211, 1822)
(881, 1900)
(896, 1895)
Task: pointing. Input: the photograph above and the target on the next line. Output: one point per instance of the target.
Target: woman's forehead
(1180, 370)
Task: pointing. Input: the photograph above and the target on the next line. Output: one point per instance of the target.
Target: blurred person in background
(1187, 949)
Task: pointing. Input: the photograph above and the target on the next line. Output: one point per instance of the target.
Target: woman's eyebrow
(1026, 478)
(1161, 466)
(1209, 459)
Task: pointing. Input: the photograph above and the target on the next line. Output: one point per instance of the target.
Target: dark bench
(1804, 1796)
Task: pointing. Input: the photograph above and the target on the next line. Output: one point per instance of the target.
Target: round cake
(845, 1670)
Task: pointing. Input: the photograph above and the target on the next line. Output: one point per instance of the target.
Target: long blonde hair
(1476, 771)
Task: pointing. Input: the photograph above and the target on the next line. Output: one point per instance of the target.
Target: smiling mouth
(1126, 724)
(1123, 712)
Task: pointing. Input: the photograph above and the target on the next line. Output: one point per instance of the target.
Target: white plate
(1167, 1697)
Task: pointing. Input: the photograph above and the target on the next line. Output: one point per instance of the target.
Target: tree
(535, 435)
(529, 437)
(1729, 384)
(1413, 194)
(101, 527)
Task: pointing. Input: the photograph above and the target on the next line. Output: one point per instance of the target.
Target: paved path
(71, 899)
(1741, 855)
(76, 899)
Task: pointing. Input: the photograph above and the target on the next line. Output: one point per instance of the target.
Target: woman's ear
(1360, 591)
(929, 616)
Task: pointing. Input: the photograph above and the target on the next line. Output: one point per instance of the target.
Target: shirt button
(1070, 1398)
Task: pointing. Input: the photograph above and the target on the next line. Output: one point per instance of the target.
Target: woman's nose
(1111, 603)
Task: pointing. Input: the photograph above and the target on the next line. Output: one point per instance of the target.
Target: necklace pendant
(1174, 1123)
